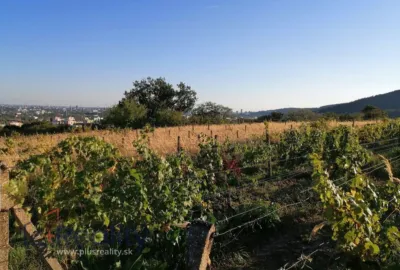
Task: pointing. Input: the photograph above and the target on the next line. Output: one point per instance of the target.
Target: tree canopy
(373, 112)
(210, 112)
(157, 95)
(128, 113)
(274, 117)
(153, 101)
(302, 115)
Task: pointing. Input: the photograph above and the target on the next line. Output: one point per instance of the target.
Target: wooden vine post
(24, 222)
(4, 223)
(268, 140)
(37, 239)
(270, 158)
(178, 147)
(398, 136)
(199, 243)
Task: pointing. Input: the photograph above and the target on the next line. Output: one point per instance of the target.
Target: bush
(34, 128)
(127, 114)
(93, 188)
(169, 118)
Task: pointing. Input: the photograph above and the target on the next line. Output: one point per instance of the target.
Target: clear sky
(246, 54)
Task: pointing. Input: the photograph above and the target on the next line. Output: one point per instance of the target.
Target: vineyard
(162, 140)
(316, 195)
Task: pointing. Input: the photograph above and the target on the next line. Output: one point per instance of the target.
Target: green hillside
(389, 102)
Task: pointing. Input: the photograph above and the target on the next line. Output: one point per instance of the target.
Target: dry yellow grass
(163, 140)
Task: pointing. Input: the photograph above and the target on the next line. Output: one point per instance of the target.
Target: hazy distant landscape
(29, 113)
(199, 135)
(263, 185)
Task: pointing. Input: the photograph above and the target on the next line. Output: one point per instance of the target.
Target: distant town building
(97, 118)
(57, 121)
(15, 123)
(88, 120)
(71, 121)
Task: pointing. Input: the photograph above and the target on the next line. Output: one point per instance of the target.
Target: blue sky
(246, 54)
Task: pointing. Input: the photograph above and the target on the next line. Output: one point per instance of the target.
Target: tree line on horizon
(159, 103)
(368, 113)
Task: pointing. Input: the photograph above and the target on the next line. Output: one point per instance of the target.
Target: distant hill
(389, 102)
(267, 112)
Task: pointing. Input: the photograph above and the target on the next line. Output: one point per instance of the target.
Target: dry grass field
(163, 140)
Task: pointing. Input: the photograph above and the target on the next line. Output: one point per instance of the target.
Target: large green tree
(274, 116)
(302, 115)
(169, 118)
(128, 113)
(373, 112)
(158, 95)
(210, 112)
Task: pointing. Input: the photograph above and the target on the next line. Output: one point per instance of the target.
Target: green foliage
(128, 113)
(358, 211)
(22, 254)
(153, 101)
(330, 116)
(210, 113)
(302, 115)
(168, 117)
(274, 117)
(343, 151)
(262, 209)
(157, 94)
(26, 258)
(210, 160)
(94, 187)
(10, 143)
(296, 144)
(172, 182)
(372, 112)
(33, 128)
(350, 117)
(378, 132)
